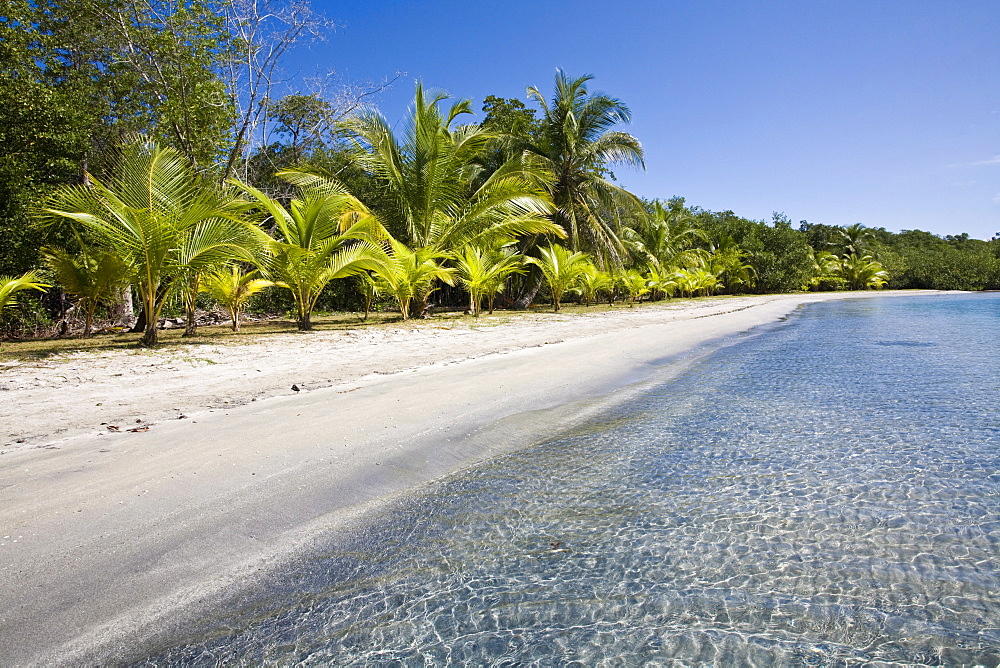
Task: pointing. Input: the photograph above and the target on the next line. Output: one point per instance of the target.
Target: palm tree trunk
(529, 289)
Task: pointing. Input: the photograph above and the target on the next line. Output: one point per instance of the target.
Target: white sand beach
(106, 534)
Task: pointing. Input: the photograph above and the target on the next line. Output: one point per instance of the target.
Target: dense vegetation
(147, 166)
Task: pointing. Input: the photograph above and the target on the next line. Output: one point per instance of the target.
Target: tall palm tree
(435, 191)
(578, 145)
(157, 216)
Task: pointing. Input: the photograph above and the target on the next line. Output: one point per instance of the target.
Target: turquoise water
(825, 493)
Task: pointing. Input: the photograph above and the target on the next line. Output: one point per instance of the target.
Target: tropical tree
(409, 275)
(592, 282)
(561, 269)
(483, 273)
(577, 144)
(664, 237)
(157, 216)
(825, 270)
(91, 276)
(635, 285)
(324, 235)
(853, 239)
(11, 285)
(370, 290)
(434, 191)
(661, 284)
(863, 272)
(232, 288)
(728, 262)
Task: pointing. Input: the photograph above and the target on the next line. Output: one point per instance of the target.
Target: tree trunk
(190, 305)
(529, 289)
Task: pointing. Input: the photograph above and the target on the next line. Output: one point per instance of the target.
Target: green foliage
(561, 268)
(11, 285)
(233, 288)
(484, 272)
(577, 144)
(92, 276)
(324, 235)
(434, 196)
(158, 218)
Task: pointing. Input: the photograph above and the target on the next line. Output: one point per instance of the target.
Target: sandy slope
(105, 536)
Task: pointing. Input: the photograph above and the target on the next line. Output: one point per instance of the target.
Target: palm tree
(324, 235)
(233, 288)
(663, 237)
(660, 283)
(636, 285)
(577, 145)
(11, 285)
(593, 281)
(409, 275)
(561, 269)
(436, 194)
(825, 267)
(156, 215)
(483, 273)
(853, 239)
(728, 262)
(863, 272)
(91, 276)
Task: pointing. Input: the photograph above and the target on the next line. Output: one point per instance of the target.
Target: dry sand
(106, 536)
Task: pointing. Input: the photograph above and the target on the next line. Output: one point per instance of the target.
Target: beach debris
(113, 427)
(137, 430)
(182, 417)
(295, 388)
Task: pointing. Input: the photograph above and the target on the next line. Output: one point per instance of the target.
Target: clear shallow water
(828, 493)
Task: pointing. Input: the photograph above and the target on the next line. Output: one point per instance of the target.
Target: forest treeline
(148, 165)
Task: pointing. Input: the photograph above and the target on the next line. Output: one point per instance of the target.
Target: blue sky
(883, 113)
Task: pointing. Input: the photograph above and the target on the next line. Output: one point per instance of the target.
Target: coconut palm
(577, 144)
(592, 282)
(863, 272)
(663, 237)
(634, 284)
(434, 191)
(853, 239)
(91, 276)
(561, 269)
(661, 284)
(232, 288)
(824, 267)
(409, 275)
(483, 273)
(324, 235)
(156, 215)
(728, 262)
(370, 290)
(11, 285)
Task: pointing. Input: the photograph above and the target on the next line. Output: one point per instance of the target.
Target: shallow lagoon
(825, 491)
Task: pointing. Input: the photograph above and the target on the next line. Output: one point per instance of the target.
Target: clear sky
(837, 112)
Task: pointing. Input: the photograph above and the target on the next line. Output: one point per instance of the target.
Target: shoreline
(109, 535)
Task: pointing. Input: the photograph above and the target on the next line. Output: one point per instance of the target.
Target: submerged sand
(107, 535)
